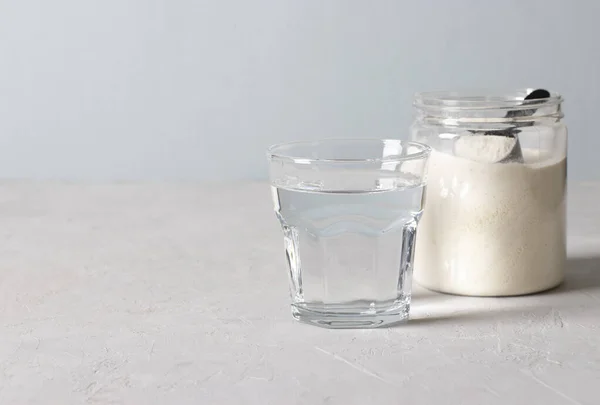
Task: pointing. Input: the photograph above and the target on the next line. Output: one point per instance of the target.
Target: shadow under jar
(494, 218)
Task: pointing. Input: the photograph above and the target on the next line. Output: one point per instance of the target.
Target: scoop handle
(534, 95)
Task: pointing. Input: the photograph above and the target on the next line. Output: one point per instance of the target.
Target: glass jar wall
(494, 215)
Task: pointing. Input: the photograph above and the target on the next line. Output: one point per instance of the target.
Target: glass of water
(349, 211)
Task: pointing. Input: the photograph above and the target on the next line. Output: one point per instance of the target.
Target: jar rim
(483, 99)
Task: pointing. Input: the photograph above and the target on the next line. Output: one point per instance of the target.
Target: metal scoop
(514, 150)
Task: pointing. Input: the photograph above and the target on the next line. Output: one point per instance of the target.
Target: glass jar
(494, 215)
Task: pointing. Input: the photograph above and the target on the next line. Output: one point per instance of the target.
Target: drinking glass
(349, 210)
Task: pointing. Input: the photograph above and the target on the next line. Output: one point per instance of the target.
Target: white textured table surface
(177, 294)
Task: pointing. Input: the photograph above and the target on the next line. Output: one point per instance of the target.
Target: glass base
(336, 316)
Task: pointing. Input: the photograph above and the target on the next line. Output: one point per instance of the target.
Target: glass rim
(273, 154)
(483, 99)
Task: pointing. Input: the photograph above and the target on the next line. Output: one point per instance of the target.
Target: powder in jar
(484, 148)
(492, 229)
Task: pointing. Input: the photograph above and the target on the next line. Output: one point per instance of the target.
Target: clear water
(349, 253)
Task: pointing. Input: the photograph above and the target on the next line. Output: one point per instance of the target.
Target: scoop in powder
(486, 148)
(498, 146)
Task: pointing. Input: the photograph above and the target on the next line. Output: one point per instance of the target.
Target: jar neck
(508, 109)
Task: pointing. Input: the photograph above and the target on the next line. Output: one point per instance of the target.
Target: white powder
(492, 229)
(484, 148)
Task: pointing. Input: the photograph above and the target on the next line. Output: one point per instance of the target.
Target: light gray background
(182, 89)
